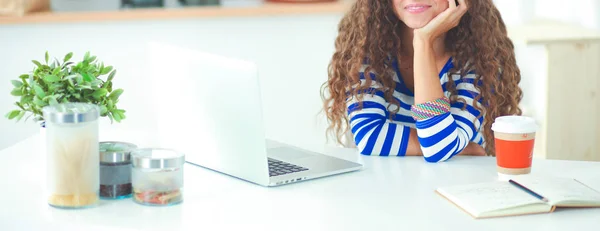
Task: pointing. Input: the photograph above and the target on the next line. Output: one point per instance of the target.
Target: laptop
(210, 109)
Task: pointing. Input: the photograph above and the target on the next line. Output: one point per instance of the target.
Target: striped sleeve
(443, 136)
(373, 132)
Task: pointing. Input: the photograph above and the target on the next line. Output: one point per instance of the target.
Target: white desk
(389, 194)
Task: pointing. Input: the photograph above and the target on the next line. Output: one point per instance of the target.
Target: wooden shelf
(268, 9)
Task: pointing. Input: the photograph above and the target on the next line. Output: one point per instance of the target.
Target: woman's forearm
(426, 80)
(426, 84)
(413, 148)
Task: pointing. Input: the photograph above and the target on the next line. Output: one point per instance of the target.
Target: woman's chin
(417, 22)
(416, 25)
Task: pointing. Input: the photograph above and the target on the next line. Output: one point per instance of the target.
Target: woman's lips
(416, 8)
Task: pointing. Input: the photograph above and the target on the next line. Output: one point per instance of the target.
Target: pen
(538, 196)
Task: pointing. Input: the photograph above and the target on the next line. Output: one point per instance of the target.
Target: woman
(421, 77)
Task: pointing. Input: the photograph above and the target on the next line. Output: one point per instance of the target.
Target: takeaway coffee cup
(514, 140)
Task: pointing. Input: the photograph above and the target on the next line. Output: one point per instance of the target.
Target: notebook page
(486, 197)
(558, 189)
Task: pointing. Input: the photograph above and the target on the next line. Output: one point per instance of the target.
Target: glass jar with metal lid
(115, 169)
(72, 154)
(157, 176)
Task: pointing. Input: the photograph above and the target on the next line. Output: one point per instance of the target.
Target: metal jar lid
(157, 158)
(71, 113)
(116, 152)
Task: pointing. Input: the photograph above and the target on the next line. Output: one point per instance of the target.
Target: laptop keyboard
(278, 168)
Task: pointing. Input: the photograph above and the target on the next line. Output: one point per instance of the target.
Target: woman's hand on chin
(442, 23)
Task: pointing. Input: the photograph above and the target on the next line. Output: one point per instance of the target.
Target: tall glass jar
(73, 177)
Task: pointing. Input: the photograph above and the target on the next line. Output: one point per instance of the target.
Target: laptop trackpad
(288, 153)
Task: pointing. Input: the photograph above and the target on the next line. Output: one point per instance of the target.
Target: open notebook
(501, 198)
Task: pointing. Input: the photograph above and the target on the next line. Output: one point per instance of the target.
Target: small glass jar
(72, 155)
(157, 176)
(115, 169)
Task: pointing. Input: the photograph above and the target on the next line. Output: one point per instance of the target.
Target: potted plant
(53, 82)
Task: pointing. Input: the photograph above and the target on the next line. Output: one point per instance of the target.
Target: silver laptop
(209, 107)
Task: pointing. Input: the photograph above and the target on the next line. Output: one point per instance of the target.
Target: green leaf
(24, 76)
(122, 114)
(61, 74)
(68, 57)
(16, 83)
(38, 102)
(87, 77)
(110, 103)
(96, 83)
(111, 76)
(66, 64)
(103, 110)
(26, 99)
(51, 78)
(20, 105)
(86, 56)
(106, 70)
(20, 116)
(51, 89)
(71, 76)
(12, 114)
(70, 82)
(52, 101)
(65, 100)
(84, 86)
(38, 64)
(99, 93)
(76, 95)
(110, 117)
(56, 71)
(58, 85)
(79, 79)
(38, 91)
(116, 116)
(47, 57)
(55, 96)
(92, 59)
(115, 94)
(17, 92)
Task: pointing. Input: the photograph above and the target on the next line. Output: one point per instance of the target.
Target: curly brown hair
(479, 43)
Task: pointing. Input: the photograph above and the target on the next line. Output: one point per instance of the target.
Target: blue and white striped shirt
(441, 137)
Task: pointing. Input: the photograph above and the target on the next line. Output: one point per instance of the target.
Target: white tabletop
(389, 194)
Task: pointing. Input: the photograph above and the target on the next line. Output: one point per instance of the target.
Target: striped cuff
(430, 109)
